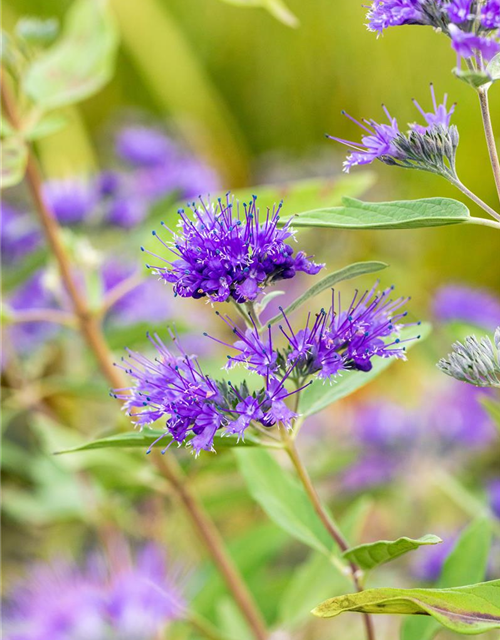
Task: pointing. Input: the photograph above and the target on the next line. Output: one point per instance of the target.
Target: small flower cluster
(223, 252)
(472, 25)
(430, 147)
(197, 407)
(63, 602)
(475, 361)
(151, 167)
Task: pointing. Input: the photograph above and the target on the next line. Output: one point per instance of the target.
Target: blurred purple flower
(32, 294)
(468, 45)
(140, 304)
(457, 302)
(384, 425)
(494, 496)
(457, 418)
(223, 252)
(63, 602)
(428, 563)
(143, 146)
(71, 200)
(370, 471)
(490, 14)
(19, 237)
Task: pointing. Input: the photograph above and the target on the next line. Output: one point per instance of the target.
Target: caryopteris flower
(195, 406)
(227, 251)
(475, 361)
(64, 602)
(71, 200)
(337, 340)
(429, 147)
(472, 25)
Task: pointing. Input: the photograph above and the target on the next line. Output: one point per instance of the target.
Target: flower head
(71, 200)
(143, 146)
(474, 361)
(469, 45)
(64, 602)
(228, 251)
(490, 14)
(430, 147)
(195, 406)
(455, 302)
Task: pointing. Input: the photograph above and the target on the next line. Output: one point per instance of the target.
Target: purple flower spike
(226, 251)
(431, 147)
(459, 11)
(394, 13)
(70, 200)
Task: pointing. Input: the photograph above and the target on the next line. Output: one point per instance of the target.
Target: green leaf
(45, 127)
(283, 498)
(347, 273)
(276, 8)
(321, 394)
(475, 79)
(37, 31)
(266, 300)
(493, 68)
(371, 555)
(466, 564)
(14, 158)
(403, 214)
(80, 62)
(144, 439)
(468, 610)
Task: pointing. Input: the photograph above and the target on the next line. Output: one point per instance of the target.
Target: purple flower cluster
(197, 407)
(63, 602)
(337, 340)
(152, 167)
(473, 26)
(430, 147)
(226, 251)
(459, 303)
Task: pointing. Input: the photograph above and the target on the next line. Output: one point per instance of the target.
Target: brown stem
(92, 332)
(328, 523)
(490, 136)
(211, 537)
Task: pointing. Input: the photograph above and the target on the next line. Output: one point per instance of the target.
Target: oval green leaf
(468, 610)
(321, 394)
(403, 214)
(371, 555)
(347, 273)
(147, 437)
(14, 157)
(80, 62)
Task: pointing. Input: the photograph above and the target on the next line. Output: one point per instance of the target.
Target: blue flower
(460, 303)
(71, 200)
(224, 252)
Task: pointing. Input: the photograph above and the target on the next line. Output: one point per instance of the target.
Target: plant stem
(483, 222)
(472, 196)
(42, 315)
(490, 136)
(328, 523)
(92, 332)
(211, 537)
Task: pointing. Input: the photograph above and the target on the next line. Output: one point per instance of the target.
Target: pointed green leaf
(468, 610)
(371, 555)
(466, 564)
(80, 62)
(144, 439)
(403, 214)
(347, 273)
(475, 79)
(283, 499)
(321, 394)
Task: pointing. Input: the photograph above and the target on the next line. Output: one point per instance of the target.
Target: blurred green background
(256, 97)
